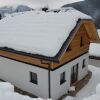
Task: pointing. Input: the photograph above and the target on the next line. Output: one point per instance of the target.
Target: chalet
(45, 53)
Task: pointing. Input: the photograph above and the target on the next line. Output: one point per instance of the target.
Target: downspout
(49, 77)
(49, 81)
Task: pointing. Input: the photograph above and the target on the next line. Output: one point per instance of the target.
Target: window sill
(34, 82)
(62, 82)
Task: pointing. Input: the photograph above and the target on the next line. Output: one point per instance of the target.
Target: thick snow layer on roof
(95, 47)
(38, 32)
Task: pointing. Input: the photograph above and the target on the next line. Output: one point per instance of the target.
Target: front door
(74, 73)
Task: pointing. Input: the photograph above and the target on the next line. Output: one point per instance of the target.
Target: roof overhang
(56, 58)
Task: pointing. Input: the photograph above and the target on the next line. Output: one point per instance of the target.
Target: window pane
(62, 78)
(33, 77)
(84, 63)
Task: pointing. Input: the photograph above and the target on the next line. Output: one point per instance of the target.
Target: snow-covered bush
(6, 87)
(7, 93)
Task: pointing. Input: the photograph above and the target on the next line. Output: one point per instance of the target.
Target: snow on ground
(90, 88)
(95, 48)
(7, 93)
(95, 96)
(37, 3)
(10, 9)
(38, 32)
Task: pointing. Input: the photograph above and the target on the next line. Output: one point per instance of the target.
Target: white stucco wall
(58, 90)
(19, 74)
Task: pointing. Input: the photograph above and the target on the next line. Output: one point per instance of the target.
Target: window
(69, 48)
(62, 78)
(81, 41)
(84, 62)
(33, 77)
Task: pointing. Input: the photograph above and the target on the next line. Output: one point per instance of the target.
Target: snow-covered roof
(95, 48)
(38, 32)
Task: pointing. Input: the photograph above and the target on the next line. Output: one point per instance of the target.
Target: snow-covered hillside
(13, 9)
(37, 3)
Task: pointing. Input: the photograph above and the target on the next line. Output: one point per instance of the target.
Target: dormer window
(81, 42)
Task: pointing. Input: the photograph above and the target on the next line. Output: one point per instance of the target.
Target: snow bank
(69, 98)
(38, 32)
(7, 93)
(54, 4)
(6, 87)
(95, 96)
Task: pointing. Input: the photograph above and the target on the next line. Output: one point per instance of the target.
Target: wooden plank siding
(24, 59)
(92, 31)
(76, 49)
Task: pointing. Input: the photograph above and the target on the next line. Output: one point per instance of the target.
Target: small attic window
(81, 41)
(69, 48)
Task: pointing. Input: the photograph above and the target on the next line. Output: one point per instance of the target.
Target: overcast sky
(38, 3)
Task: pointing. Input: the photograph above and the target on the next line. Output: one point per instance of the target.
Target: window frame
(33, 78)
(83, 63)
(62, 78)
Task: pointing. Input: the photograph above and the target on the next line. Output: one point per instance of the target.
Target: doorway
(74, 73)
